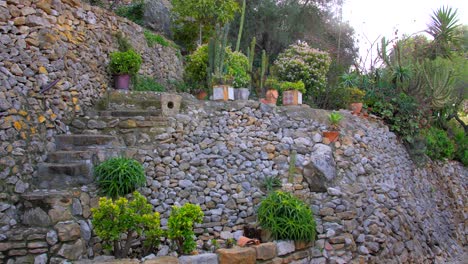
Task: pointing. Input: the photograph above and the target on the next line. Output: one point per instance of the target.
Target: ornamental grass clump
(119, 176)
(286, 217)
(118, 223)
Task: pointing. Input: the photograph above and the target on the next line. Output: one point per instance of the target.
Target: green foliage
(119, 222)
(444, 29)
(335, 118)
(214, 244)
(263, 69)
(273, 84)
(461, 146)
(230, 242)
(153, 39)
(286, 217)
(127, 62)
(180, 226)
(237, 65)
(146, 84)
(298, 86)
(303, 63)
(119, 176)
(239, 36)
(401, 113)
(356, 95)
(349, 80)
(251, 54)
(205, 14)
(133, 12)
(123, 42)
(271, 182)
(438, 144)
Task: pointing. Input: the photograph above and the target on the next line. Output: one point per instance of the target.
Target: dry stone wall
(54, 56)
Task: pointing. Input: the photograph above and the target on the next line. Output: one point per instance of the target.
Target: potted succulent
(292, 92)
(356, 97)
(122, 65)
(334, 119)
(271, 96)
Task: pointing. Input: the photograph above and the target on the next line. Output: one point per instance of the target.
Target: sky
(373, 18)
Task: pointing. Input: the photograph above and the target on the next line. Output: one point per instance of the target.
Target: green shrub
(236, 65)
(119, 176)
(461, 146)
(271, 182)
(152, 39)
(146, 83)
(123, 42)
(302, 63)
(180, 226)
(127, 62)
(119, 222)
(298, 86)
(286, 217)
(133, 12)
(355, 95)
(438, 144)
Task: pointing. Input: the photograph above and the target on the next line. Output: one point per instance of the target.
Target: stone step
(65, 156)
(45, 194)
(83, 141)
(130, 113)
(63, 175)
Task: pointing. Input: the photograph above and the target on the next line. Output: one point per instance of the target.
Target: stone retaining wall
(48, 41)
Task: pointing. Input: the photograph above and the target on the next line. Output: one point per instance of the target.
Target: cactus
(251, 53)
(438, 81)
(263, 69)
(216, 53)
(241, 27)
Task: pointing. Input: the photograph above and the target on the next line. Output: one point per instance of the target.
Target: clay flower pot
(245, 241)
(356, 108)
(332, 136)
(201, 95)
(271, 97)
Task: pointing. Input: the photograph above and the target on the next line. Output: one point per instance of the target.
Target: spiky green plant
(241, 27)
(286, 217)
(443, 28)
(437, 82)
(251, 53)
(263, 69)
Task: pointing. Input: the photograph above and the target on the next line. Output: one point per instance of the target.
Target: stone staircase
(57, 210)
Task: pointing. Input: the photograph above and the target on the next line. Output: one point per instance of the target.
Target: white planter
(242, 93)
(223, 93)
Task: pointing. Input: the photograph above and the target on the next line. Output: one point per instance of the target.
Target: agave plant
(444, 29)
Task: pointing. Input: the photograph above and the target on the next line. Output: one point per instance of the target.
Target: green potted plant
(334, 119)
(237, 67)
(292, 92)
(122, 65)
(273, 85)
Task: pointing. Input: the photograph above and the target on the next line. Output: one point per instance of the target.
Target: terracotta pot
(122, 81)
(292, 97)
(245, 241)
(201, 95)
(356, 108)
(271, 97)
(331, 135)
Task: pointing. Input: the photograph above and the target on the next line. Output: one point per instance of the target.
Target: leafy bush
(119, 223)
(461, 146)
(127, 62)
(146, 83)
(119, 176)
(237, 64)
(401, 113)
(152, 39)
(438, 144)
(302, 63)
(286, 217)
(133, 12)
(180, 226)
(288, 86)
(355, 95)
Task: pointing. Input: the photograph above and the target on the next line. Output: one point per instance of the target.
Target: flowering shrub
(302, 63)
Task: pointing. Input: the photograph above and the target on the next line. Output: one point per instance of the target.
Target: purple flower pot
(122, 82)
